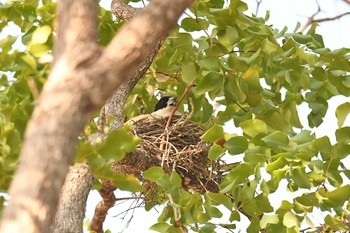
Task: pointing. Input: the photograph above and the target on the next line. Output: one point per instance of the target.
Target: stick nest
(178, 148)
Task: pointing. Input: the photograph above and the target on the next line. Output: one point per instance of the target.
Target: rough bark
(82, 78)
(72, 200)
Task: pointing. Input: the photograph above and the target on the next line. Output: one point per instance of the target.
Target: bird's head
(165, 102)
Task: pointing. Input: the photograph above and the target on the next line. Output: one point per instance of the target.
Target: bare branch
(347, 1)
(331, 18)
(258, 2)
(187, 89)
(312, 19)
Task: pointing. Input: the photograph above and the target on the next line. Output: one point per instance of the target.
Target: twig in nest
(191, 113)
(187, 89)
(166, 151)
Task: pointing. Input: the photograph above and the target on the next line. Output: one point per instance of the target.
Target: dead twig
(102, 120)
(187, 89)
(258, 2)
(312, 19)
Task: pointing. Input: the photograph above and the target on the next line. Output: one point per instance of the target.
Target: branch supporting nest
(108, 200)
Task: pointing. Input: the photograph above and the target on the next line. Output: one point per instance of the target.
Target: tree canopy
(245, 75)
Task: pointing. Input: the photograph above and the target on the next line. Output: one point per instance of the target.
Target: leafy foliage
(259, 76)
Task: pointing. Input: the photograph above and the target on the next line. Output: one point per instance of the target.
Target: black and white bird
(163, 109)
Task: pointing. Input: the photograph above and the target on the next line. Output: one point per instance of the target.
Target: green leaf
(208, 228)
(84, 151)
(254, 225)
(37, 50)
(211, 82)
(215, 152)
(236, 145)
(343, 134)
(160, 227)
(269, 47)
(263, 203)
(209, 63)
(182, 44)
(117, 144)
(300, 177)
(342, 112)
(215, 133)
(253, 127)
(303, 137)
(252, 58)
(268, 219)
(153, 173)
(164, 182)
(228, 37)
(191, 25)
(308, 200)
(235, 216)
(335, 223)
(127, 182)
(276, 165)
(322, 145)
(276, 140)
(339, 195)
(290, 220)
(6, 43)
(241, 172)
(219, 198)
(342, 150)
(27, 61)
(175, 179)
(188, 69)
(41, 34)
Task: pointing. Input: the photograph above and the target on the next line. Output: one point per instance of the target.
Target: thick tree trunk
(83, 77)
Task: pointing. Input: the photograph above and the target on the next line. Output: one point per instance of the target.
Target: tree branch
(331, 18)
(122, 10)
(347, 1)
(108, 200)
(77, 30)
(72, 200)
(312, 19)
(82, 78)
